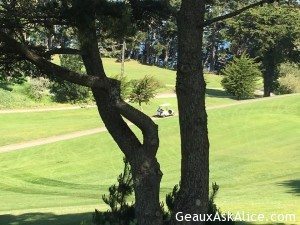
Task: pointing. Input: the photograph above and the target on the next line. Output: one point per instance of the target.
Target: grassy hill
(254, 158)
(136, 70)
(17, 99)
(133, 70)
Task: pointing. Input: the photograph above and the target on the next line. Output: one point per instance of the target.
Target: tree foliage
(271, 33)
(240, 77)
(143, 90)
(120, 211)
(65, 91)
(289, 80)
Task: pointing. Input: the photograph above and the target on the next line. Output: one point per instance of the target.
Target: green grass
(19, 127)
(31, 126)
(133, 70)
(254, 158)
(15, 99)
(136, 70)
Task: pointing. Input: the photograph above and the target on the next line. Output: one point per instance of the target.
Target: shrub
(37, 88)
(240, 77)
(65, 91)
(289, 80)
(212, 207)
(9, 99)
(121, 212)
(143, 90)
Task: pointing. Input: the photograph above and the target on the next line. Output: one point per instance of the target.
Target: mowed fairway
(35, 125)
(254, 158)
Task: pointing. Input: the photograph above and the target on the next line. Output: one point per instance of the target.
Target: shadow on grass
(248, 223)
(218, 93)
(69, 219)
(46, 219)
(293, 185)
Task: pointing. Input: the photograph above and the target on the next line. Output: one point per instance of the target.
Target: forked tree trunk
(112, 109)
(145, 168)
(190, 89)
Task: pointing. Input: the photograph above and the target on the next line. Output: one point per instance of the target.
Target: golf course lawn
(34, 125)
(136, 70)
(254, 158)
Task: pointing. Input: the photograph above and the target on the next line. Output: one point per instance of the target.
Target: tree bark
(112, 109)
(190, 89)
(213, 50)
(166, 55)
(269, 73)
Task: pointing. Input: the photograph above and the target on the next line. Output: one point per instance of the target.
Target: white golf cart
(164, 110)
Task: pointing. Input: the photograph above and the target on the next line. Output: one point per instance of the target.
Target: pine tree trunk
(141, 156)
(213, 50)
(145, 168)
(190, 89)
(147, 177)
(270, 72)
(167, 51)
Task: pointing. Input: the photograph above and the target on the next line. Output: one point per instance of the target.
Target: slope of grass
(254, 158)
(31, 126)
(15, 99)
(19, 127)
(18, 98)
(136, 70)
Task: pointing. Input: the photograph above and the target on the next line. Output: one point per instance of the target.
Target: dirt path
(166, 95)
(53, 139)
(47, 109)
(44, 109)
(48, 140)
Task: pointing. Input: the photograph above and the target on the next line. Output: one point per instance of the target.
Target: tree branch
(235, 13)
(66, 51)
(50, 69)
(163, 8)
(143, 122)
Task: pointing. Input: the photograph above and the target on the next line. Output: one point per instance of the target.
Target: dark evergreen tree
(241, 76)
(270, 33)
(65, 91)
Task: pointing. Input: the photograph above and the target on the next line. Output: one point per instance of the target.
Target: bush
(37, 88)
(289, 80)
(240, 77)
(65, 91)
(212, 207)
(121, 212)
(9, 100)
(143, 90)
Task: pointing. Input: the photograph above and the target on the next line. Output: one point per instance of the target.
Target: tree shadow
(46, 219)
(293, 185)
(248, 223)
(218, 93)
